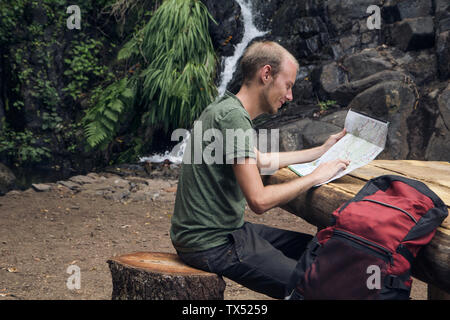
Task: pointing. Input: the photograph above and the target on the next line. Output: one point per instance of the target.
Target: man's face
(279, 90)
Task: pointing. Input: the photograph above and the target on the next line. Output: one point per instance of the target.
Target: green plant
(180, 63)
(101, 122)
(22, 148)
(324, 105)
(83, 66)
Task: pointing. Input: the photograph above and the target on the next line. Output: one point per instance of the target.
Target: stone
(365, 63)
(69, 184)
(391, 101)
(443, 55)
(317, 132)
(345, 93)
(229, 29)
(336, 118)
(343, 13)
(291, 135)
(413, 34)
(81, 179)
(438, 148)
(41, 187)
(414, 8)
(331, 77)
(7, 179)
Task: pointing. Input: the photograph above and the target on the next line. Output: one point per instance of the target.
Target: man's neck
(251, 100)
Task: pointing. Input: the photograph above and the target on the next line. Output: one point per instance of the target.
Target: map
(364, 141)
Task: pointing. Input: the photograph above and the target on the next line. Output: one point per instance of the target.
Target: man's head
(272, 69)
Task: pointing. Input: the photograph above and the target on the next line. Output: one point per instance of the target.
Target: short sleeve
(238, 136)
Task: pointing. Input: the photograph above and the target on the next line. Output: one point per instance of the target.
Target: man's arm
(261, 198)
(276, 160)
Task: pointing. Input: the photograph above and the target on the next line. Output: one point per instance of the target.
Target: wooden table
(316, 206)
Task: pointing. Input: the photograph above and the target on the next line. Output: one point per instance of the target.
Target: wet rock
(229, 28)
(443, 54)
(439, 146)
(413, 34)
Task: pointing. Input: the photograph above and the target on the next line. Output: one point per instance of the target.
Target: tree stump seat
(161, 276)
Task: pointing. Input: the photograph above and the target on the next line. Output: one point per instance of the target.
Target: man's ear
(266, 73)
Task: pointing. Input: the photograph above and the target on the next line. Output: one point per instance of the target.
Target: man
(208, 229)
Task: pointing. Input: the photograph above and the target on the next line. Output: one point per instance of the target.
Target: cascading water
(250, 32)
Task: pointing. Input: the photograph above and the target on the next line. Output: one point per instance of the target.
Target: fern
(102, 121)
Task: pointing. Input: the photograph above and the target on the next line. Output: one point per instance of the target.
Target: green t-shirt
(209, 203)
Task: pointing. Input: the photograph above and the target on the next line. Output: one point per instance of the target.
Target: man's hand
(327, 170)
(333, 139)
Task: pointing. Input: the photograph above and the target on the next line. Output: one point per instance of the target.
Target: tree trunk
(161, 276)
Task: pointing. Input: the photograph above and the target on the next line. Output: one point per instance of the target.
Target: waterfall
(250, 32)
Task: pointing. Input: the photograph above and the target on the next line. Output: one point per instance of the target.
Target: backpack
(368, 250)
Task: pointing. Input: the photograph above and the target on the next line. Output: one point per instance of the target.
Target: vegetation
(69, 89)
(171, 75)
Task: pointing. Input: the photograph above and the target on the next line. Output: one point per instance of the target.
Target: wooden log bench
(316, 206)
(161, 276)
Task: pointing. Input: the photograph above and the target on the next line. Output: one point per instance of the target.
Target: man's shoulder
(226, 106)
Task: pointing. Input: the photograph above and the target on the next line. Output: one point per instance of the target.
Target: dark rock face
(439, 145)
(413, 33)
(229, 28)
(388, 73)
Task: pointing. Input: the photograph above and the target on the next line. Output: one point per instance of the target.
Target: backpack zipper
(366, 244)
(393, 207)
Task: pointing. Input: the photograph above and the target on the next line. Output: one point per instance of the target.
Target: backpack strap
(396, 282)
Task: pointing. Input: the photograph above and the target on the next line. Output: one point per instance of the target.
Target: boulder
(414, 8)
(392, 101)
(344, 13)
(443, 55)
(331, 76)
(365, 63)
(317, 132)
(291, 135)
(7, 179)
(413, 33)
(438, 148)
(345, 93)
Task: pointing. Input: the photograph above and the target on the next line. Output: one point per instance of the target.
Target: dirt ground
(43, 233)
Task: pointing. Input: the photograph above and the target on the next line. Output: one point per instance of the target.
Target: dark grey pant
(258, 257)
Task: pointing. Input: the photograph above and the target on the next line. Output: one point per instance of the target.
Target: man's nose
(289, 95)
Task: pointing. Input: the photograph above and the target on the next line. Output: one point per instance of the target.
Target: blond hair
(263, 53)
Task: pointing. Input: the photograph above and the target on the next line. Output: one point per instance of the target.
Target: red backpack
(368, 251)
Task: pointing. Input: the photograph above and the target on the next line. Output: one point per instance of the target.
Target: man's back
(209, 202)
